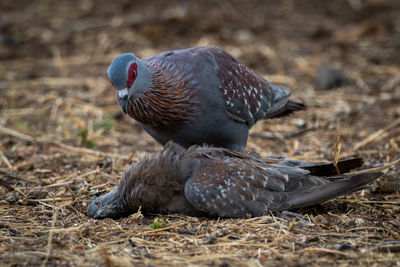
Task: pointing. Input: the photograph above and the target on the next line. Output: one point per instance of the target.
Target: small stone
(329, 78)
(85, 231)
(300, 123)
(359, 221)
(243, 36)
(11, 197)
(313, 239)
(344, 246)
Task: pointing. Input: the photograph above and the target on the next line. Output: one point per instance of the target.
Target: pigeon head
(130, 76)
(105, 206)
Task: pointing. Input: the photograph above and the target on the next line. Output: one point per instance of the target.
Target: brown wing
(235, 187)
(248, 96)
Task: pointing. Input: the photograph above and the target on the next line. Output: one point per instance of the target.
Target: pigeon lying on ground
(197, 96)
(209, 181)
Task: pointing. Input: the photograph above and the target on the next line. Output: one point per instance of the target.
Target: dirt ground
(64, 139)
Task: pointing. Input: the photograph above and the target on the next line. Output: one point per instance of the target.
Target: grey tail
(315, 195)
(328, 169)
(288, 109)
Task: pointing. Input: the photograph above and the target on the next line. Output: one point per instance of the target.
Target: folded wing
(236, 187)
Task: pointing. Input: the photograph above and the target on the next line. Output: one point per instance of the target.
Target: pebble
(330, 78)
(344, 246)
(359, 221)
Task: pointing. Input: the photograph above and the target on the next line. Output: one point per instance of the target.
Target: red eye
(132, 74)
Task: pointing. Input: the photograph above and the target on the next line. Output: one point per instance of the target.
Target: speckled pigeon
(207, 181)
(197, 95)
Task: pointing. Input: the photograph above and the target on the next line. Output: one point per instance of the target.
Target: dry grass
(63, 138)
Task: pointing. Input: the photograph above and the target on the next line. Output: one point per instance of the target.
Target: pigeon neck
(160, 170)
(167, 99)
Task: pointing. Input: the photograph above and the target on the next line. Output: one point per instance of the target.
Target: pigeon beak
(123, 98)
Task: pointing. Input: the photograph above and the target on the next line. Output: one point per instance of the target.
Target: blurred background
(64, 138)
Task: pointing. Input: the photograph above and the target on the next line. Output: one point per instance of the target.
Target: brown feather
(167, 103)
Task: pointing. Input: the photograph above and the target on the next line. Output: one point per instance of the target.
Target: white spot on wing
(223, 193)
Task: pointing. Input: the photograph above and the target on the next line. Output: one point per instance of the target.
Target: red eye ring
(132, 75)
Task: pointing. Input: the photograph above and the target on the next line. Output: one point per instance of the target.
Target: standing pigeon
(207, 181)
(197, 95)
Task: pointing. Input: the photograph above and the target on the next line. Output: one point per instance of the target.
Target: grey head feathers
(118, 74)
